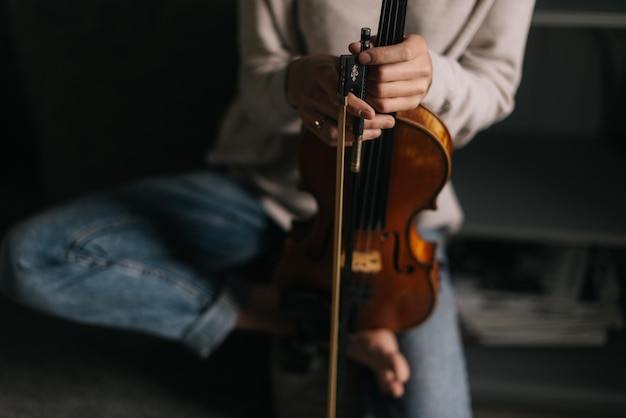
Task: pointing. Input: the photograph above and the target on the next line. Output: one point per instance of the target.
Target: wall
(106, 91)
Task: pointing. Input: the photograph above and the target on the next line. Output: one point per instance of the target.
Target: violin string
(390, 31)
(376, 146)
(371, 184)
(387, 28)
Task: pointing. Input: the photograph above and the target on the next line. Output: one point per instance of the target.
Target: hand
(312, 89)
(399, 75)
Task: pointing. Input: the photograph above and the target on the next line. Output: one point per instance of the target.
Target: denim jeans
(161, 256)
(171, 257)
(438, 386)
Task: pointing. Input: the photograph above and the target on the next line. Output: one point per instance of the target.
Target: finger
(374, 122)
(387, 384)
(419, 69)
(373, 129)
(395, 104)
(360, 108)
(393, 374)
(320, 124)
(411, 46)
(323, 127)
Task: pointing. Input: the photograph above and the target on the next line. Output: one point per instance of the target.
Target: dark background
(102, 92)
(95, 94)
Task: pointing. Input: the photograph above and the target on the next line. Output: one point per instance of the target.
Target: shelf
(542, 189)
(570, 19)
(549, 382)
(607, 14)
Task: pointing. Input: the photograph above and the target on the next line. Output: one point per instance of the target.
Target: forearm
(477, 89)
(268, 45)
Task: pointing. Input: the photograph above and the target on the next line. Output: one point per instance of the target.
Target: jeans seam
(80, 239)
(127, 264)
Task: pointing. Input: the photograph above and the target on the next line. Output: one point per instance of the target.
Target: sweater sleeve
(477, 88)
(269, 41)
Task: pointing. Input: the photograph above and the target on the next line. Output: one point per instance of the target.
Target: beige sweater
(477, 49)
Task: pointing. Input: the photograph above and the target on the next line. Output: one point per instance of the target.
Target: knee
(8, 264)
(22, 251)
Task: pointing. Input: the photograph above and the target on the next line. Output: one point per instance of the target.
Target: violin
(362, 252)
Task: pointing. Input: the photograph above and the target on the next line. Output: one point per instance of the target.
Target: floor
(53, 369)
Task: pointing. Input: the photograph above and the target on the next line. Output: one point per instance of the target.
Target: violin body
(394, 273)
(361, 255)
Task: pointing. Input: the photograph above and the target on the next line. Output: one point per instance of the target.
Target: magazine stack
(512, 293)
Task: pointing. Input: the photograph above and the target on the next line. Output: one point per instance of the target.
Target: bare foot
(378, 350)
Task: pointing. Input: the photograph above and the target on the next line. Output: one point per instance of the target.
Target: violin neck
(391, 23)
(376, 155)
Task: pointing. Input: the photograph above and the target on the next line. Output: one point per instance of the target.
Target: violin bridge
(365, 261)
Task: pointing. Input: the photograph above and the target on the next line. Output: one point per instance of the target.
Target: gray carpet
(54, 369)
